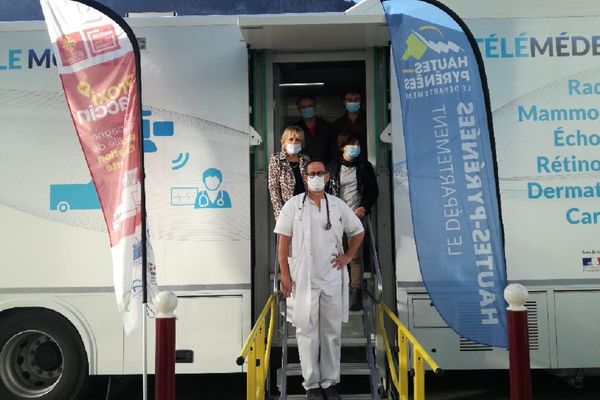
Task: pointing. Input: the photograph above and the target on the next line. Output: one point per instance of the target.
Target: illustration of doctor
(212, 197)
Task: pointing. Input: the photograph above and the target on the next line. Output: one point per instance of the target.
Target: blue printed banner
(453, 192)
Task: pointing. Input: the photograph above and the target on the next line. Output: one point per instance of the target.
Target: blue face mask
(307, 112)
(293, 148)
(353, 107)
(352, 151)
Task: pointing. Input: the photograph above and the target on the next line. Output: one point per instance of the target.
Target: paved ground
(494, 385)
(472, 385)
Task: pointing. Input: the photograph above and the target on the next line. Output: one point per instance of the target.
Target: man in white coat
(314, 278)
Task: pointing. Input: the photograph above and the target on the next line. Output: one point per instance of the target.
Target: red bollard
(518, 342)
(164, 379)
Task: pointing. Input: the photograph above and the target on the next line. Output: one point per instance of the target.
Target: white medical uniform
(319, 300)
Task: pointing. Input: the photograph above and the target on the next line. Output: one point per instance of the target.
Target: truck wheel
(41, 357)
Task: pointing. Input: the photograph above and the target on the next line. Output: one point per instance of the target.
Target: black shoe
(314, 394)
(355, 299)
(331, 393)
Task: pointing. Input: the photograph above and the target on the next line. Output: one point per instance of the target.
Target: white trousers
(323, 333)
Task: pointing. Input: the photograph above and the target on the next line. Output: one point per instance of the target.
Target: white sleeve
(285, 221)
(352, 224)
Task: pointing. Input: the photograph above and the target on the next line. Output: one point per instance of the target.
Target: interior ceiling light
(302, 84)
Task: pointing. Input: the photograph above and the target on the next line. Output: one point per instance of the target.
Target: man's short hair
(314, 161)
(351, 90)
(306, 97)
(346, 137)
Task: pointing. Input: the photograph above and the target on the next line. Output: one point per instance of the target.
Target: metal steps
(293, 369)
(344, 396)
(352, 332)
(354, 369)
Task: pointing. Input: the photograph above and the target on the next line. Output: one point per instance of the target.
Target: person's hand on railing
(285, 285)
(360, 212)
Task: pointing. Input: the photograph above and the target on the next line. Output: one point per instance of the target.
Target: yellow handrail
(257, 352)
(420, 356)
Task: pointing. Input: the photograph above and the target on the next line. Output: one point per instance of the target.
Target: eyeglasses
(318, 173)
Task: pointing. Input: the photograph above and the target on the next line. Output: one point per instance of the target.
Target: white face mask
(316, 183)
(292, 148)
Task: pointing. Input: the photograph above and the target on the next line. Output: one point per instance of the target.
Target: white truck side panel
(56, 253)
(550, 236)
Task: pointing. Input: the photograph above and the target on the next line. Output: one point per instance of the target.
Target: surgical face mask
(316, 183)
(212, 182)
(307, 112)
(352, 107)
(292, 148)
(352, 151)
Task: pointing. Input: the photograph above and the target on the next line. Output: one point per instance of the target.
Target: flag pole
(83, 54)
(144, 239)
(136, 51)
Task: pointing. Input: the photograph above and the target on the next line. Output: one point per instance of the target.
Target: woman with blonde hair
(285, 168)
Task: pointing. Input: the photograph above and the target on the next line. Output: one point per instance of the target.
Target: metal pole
(144, 355)
(164, 384)
(518, 342)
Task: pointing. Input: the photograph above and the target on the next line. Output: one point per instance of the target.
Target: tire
(41, 357)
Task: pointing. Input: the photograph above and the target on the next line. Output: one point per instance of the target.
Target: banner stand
(98, 61)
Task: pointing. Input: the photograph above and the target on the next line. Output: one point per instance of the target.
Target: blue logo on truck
(159, 128)
(73, 196)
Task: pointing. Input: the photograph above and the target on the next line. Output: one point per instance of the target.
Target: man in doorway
(353, 119)
(314, 278)
(318, 133)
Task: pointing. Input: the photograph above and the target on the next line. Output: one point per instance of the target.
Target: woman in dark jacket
(285, 168)
(353, 180)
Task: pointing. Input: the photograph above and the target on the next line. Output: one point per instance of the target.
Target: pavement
(453, 385)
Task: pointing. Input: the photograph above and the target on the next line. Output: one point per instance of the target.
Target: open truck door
(195, 96)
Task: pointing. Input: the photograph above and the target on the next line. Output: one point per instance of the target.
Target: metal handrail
(276, 271)
(257, 351)
(378, 295)
(284, 350)
(370, 348)
(420, 357)
(284, 328)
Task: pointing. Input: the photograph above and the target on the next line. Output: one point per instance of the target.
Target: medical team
(319, 223)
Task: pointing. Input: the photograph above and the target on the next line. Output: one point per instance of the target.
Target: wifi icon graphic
(180, 161)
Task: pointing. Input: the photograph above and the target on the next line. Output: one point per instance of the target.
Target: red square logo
(71, 48)
(102, 39)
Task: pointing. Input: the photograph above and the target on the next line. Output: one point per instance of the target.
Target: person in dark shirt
(354, 181)
(354, 119)
(318, 134)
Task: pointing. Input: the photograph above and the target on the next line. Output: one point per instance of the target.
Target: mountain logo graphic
(417, 44)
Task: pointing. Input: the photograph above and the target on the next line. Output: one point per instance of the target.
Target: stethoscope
(328, 224)
(204, 200)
